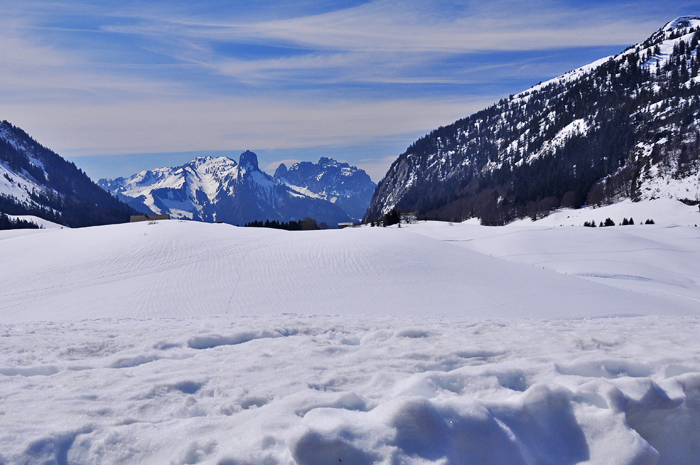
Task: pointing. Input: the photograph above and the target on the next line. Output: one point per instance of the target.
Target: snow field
(665, 212)
(176, 269)
(318, 390)
(661, 260)
(183, 342)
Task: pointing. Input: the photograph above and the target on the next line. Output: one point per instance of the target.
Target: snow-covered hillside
(626, 126)
(19, 184)
(219, 189)
(42, 223)
(36, 181)
(184, 342)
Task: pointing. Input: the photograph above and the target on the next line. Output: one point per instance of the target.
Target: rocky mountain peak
(346, 186)
(249, 161)
(219, 189)
(280, 171)
(327, 161)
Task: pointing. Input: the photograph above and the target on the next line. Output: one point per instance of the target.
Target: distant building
(345, 225)
(137, 218)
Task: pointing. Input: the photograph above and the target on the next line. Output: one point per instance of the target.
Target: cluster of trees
(10, 223)
(610, 222)
(388, 219)
(305, 224)
(10, 206)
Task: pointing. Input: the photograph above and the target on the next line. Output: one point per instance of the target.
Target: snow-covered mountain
(36, 181)
(219, 189)
(346, 186)
(626, 126)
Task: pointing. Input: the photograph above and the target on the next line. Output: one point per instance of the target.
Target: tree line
(305, 224)
(11, 223)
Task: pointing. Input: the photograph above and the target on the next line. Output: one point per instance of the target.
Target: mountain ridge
(621, 127)
(347, 186)
(220, 189)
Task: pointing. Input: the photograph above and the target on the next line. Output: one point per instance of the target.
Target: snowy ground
(181, 342)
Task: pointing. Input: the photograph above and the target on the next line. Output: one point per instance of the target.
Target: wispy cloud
(89, 77)
(388, 40)
(33, 70)
(429, 26)
(225, 124)
(422, 26)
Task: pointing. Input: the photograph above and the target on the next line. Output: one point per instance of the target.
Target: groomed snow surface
(183, 342)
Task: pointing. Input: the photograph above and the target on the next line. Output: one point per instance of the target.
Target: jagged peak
(281, 170)
(249, 161)
(327, 161)
(197, 161)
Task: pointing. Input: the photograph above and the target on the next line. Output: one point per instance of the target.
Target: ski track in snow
(183, 342)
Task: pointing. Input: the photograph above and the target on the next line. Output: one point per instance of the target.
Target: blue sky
(121, 86)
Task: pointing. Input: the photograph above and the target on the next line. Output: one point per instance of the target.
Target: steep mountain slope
(36, 181)
(627, 126)
(346, 186)
(219, 189)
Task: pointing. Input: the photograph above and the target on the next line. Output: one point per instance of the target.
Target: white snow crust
(434, 343)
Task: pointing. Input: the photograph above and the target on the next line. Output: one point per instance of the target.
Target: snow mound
(645, 260)
(191, 269)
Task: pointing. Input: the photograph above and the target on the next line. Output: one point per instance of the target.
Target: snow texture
(434, 343)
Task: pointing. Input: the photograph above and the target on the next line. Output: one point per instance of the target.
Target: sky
(122, 86)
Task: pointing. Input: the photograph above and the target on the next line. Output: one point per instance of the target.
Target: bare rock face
(249, 161)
